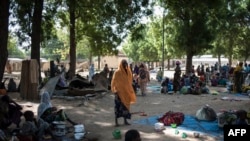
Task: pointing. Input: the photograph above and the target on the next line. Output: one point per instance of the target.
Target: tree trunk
(189, 62)
(72, 50)
(4, 22)
(230, 51)
(246, 54)
(168, 63)
(99, 62)
(90, 59)
(36, 34)
(219, 61)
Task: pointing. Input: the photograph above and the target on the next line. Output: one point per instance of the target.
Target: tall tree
(193, 28)
(4, 24)
(35, 22)
(106, 23)
(72, 38)
(36, 33)
(143, 43)
(228, 26)
(242, 51)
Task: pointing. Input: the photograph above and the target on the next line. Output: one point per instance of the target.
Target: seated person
(241, 117)
(202, 78)
(12, 85)
(214, 81)
(196, 88)
(49, 113)
(164, 85)
(33, 129)
(10, 112)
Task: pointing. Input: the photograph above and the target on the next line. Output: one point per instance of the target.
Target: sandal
(143, 114)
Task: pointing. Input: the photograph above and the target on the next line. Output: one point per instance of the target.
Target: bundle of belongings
(171, 117)
(246, 85)
(239, 117)
(206, 113)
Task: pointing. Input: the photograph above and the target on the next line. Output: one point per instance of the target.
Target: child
(32, 129)
(132, 135)
(164, 85)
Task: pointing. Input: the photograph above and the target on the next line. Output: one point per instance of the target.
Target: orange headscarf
(122, 85)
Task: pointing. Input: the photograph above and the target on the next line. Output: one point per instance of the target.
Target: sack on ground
(206, 113)
(184, 90)
(226, 118)
(172, 118)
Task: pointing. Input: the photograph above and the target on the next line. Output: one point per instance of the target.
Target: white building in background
(112, 61)
(208, 60)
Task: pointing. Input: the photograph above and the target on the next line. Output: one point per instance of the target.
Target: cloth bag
(206, 113)
(171, 117)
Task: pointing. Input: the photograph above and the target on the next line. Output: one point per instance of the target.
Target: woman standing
(238, 77)
(177, 77)
(121, 86)
(143, 79)
(91, 72)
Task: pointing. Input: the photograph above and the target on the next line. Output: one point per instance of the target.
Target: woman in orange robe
(121, 86)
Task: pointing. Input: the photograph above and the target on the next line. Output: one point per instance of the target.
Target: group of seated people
(189, 84)
(33, 128)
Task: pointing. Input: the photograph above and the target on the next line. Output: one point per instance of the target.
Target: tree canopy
(86, 28)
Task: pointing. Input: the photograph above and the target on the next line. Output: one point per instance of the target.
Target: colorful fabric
(121, 85)
(120, 109)
(50, 115)
(171, 117)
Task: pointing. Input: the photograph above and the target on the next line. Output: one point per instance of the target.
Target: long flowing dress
(177, 78)
(121, 86)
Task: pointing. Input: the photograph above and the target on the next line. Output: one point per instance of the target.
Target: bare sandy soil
(98, 114)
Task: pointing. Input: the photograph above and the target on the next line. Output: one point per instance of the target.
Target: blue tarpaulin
(190, 123)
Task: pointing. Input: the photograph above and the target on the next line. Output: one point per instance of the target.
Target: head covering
(122, 85)
(44, 103)
(178, 63)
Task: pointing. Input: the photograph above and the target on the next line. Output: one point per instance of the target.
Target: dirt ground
(97, 114)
